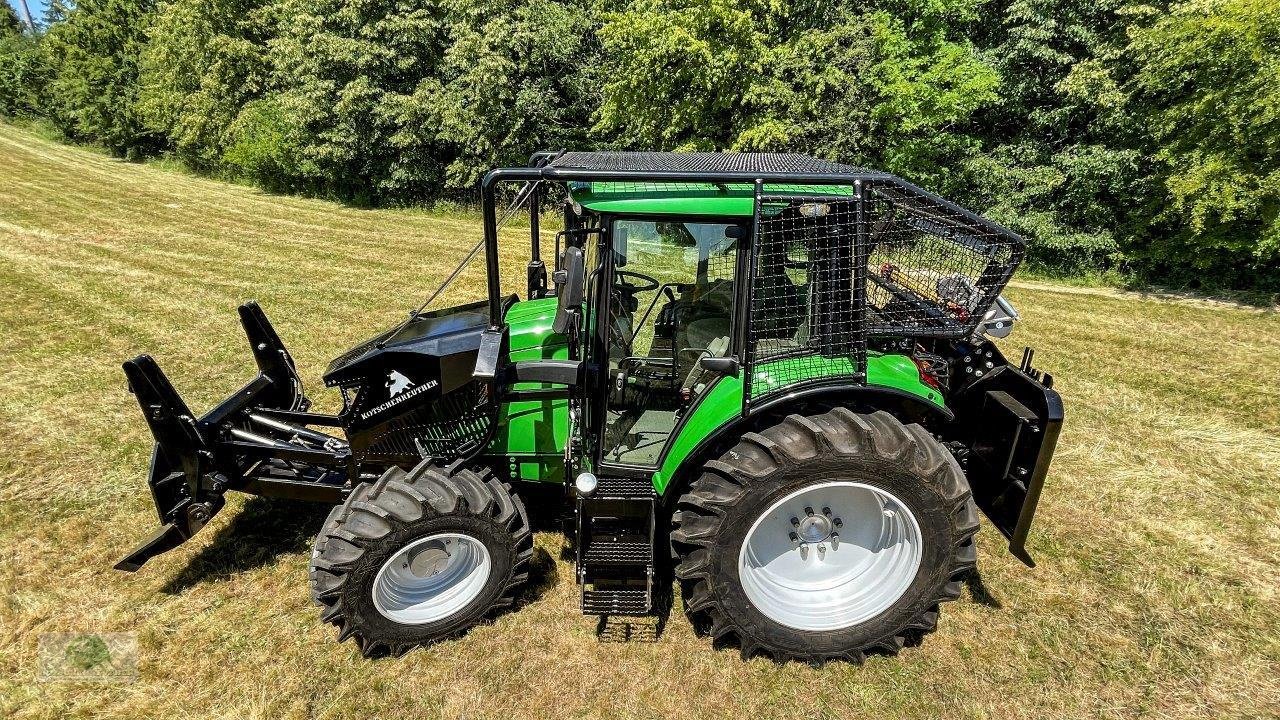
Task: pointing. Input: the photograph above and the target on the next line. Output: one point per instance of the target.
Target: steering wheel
(649, 283)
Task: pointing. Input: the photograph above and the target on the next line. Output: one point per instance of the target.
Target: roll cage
(888, 259)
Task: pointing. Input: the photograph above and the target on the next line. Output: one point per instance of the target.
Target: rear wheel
(825, 537)
(419, 556)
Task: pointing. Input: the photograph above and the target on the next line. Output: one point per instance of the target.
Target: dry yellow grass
(1158, 537)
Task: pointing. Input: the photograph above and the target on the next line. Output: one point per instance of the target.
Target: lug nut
(838, 523)
(795, 522)
(808, 511)
(835, 541)
(826, 511)
(795, 539)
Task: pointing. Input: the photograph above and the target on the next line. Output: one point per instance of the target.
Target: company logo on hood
(401, 389)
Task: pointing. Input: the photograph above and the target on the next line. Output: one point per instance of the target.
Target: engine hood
(423, 347)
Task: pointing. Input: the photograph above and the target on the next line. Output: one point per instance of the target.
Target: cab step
(618, 552)
(615, 546)
(616, 602)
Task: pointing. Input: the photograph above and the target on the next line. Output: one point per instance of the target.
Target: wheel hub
(430, 561)
(830, 555)
(814, 529)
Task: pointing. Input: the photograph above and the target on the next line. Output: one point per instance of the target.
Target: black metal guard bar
(861, 250)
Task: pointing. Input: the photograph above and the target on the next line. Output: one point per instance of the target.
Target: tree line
(1119, 136)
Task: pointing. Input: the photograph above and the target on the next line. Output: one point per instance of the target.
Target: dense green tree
(204, 61)
(1208, 79)
(93, 57)
(861, 85)
(345, 72)
(1062, 161)
(1111, 133)
(9, 22)
(23, 74)
(676, 71)
(55, 11)
(518, 77)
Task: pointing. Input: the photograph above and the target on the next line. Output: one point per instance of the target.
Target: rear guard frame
(1008, 423)
(234, 445)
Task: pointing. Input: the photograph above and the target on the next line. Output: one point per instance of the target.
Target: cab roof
(715, 199)
(669, 194)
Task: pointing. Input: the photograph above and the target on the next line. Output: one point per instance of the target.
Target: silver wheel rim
(830, 556)
(432, 578)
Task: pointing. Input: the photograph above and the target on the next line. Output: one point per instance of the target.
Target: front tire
(419, 556)
(825, 537)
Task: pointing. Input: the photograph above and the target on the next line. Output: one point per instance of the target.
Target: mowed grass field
(1158, 537)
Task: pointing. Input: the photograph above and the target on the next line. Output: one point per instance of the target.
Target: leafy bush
(262, 146)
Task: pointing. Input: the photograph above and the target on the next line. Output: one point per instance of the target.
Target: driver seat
(696, 380)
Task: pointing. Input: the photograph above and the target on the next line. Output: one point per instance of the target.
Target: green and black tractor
(765, 381)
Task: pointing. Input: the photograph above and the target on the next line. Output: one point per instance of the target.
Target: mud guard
(185, 477)
(1008, 422)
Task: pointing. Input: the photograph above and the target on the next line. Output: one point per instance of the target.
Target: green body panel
(723, 402)
(531, 435)
(733, 200)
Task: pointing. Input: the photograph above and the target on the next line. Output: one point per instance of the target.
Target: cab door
(667, 299)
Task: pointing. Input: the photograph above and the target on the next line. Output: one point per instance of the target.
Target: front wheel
(419, 556)
(825, 537)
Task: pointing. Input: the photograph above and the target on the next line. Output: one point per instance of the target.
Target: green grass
(1158, 537)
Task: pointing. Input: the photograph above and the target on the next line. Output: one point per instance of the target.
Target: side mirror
(720, 365)
(571, 285)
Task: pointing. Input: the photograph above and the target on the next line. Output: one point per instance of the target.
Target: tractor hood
(440, 345)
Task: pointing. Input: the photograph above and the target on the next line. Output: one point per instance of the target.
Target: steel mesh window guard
(932, 270)
(804, 323)
(830, 270)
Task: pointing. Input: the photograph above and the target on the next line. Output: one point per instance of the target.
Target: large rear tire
(419, 556)
(825, 537)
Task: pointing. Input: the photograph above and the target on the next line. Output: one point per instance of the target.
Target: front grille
(449, 428)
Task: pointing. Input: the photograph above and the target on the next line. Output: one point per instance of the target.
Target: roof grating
(704, 162)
